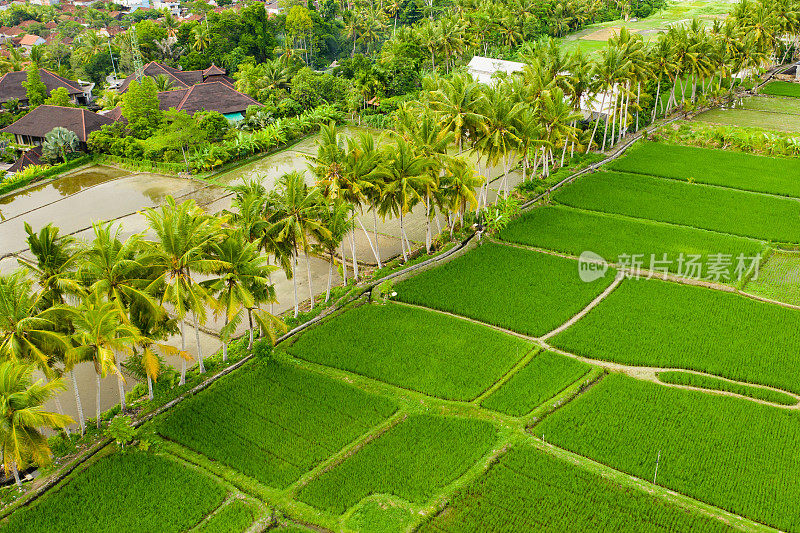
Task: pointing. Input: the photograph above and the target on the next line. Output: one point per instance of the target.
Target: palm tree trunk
(14, 470)
(505, 175)
(97, 398)
(225, 343)
(375, 229)
(250, 330)
(564, 152)
(120, 383)
(638, 96)
(330, 278)
(353, 254)
(402, 234)
(78, 404)
(199, 348)
(369, 240)
(427, 224)
(294, 282)
(149, 387)
(183, 349)
(655, 104)
(308, 273)
(344, 267)
(596, 124)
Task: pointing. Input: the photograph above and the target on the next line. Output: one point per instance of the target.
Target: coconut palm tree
(458, 101)
(22, 417)
(54, 268)
(498, 137)
(337, 217)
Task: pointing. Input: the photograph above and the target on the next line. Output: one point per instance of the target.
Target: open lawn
(520, 290)
(664, 324)
(543, 377)
(411, 461)
(274, 422)
(125, 492)
(530, 490)
(756, 215)
(729, 452)
(413, 348)
(712, 383)
(737, 170)
(782, 88)
(572, 231)
(778, 278)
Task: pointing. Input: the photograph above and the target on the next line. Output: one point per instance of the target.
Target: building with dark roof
(181, 79)
(11, 87)
(32, 128)
(30, 157)
(210, 96)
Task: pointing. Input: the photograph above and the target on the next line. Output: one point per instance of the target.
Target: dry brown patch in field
(603, 34)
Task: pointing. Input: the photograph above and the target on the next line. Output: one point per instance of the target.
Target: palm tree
(202, 37)
(337, 218)
(498, 136)
(295, 217)
(22, 416)
(53, 270)
(163, 83)
(458, 102)
(183, 234)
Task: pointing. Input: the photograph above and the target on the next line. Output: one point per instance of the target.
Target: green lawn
(757, 216)
(543, 377)
(571, 231)
(412, 461)
(520, 290)
(664, 324)
(530, 490)
(125, 492)
(781, 88)
(733, 453)
(778, 278)
(272, 421)
(413, 348)
(712, 383)
(737, 170)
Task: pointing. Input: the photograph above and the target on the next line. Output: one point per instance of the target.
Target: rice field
(778, 278)
(488, 284)
(749, 118)
(411, 461)
(413, 348)
(712, 383)
(132, 491)
(730, 452)
(736, 170)
(758, 216)
(273, 422)
(530, 490)
(781, 88)
(669, 325)
(572, 231)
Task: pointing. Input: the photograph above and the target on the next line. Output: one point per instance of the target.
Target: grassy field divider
(704, 382)
(563, 397)
(508, 375)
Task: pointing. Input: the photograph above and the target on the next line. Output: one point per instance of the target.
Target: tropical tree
(337, 217)
(59, 143)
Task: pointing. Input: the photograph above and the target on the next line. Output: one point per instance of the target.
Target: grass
(736, 170)
(571, 231)
(778, 278)
(664, 324)
(520, 290)
(712, 383)
(411, 461)
(729, 452)
(543, 377)
(235, 517)
(273, 422)
(413, 348)
(749, 118)
(757, 216)
(530, 490)
(781, 88)
(132, 491)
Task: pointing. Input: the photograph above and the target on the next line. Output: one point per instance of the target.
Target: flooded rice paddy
(772, 113)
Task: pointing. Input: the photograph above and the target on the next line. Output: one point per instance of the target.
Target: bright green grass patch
(233, 518)
(530, 490)
(520, 290)
(543, 377)
(570, 231)
(669, 325)
(737, 170)
(730, 452)
(778, 278)
(749, 118)
(782, 88)
(712, 208)
(272, 421)
(413, 348)
(131, 491)
(411, 461)
(712, 383)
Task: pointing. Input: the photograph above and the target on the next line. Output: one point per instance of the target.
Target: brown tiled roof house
(32, 128)
(11, 86)
(181, 79)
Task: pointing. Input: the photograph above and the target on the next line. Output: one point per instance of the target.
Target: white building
(44, 2)
(173, 7)
(483, 68)
(134, 3)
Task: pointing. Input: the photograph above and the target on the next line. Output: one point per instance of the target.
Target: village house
(181, 79)
(29, 41)
(32, 128)
(11, 87)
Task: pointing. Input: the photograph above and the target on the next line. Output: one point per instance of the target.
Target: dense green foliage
(235, 517)
(572, 231)
(524, 291)
(710, 382)
(413, 348)
(530, 490)
(669, 325)
(412, 460)
(545, 376)
(130, 491)
(715, 167)
(781, 88)
(700, 206)
(272, 421)
(733, 453)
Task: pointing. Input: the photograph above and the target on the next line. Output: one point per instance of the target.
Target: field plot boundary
(591, 305)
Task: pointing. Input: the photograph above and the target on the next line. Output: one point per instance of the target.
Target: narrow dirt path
(600, 297)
